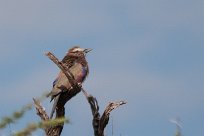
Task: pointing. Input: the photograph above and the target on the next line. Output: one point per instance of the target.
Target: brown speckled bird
(75, 60)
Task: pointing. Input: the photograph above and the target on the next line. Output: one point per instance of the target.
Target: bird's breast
(81, 75)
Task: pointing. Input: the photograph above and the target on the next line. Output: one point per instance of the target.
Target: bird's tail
(54, 106)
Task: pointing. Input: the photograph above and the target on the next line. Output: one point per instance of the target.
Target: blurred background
(149, 53)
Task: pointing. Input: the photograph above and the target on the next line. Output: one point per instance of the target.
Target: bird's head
(77, 51)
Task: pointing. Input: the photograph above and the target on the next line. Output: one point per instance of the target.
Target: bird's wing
(54, 83)
(61, 83)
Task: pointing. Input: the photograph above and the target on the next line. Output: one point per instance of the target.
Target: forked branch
(99, 123)
(64, 97)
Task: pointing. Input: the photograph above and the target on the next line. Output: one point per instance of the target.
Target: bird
(75, 60)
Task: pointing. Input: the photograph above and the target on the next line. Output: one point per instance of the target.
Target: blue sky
(149, 53)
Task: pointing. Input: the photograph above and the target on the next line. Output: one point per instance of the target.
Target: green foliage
(53, 122)
(45, 124)
(178, 132)
(15, 116)
(18, 114)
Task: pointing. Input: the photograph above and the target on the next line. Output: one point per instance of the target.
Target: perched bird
(75, 60)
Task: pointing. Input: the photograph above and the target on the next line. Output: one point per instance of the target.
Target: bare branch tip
(47, 53)
(123, 102)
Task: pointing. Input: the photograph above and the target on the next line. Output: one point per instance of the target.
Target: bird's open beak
(87, 50)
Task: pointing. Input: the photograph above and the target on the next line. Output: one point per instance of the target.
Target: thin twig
(95, 111)
(40, 110)
(42, 113)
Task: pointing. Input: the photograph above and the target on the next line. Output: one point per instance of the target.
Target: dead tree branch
(64, 97)
(41, 113)
(40, 110)
(99, 123)
(95, 111)
(49, 126)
